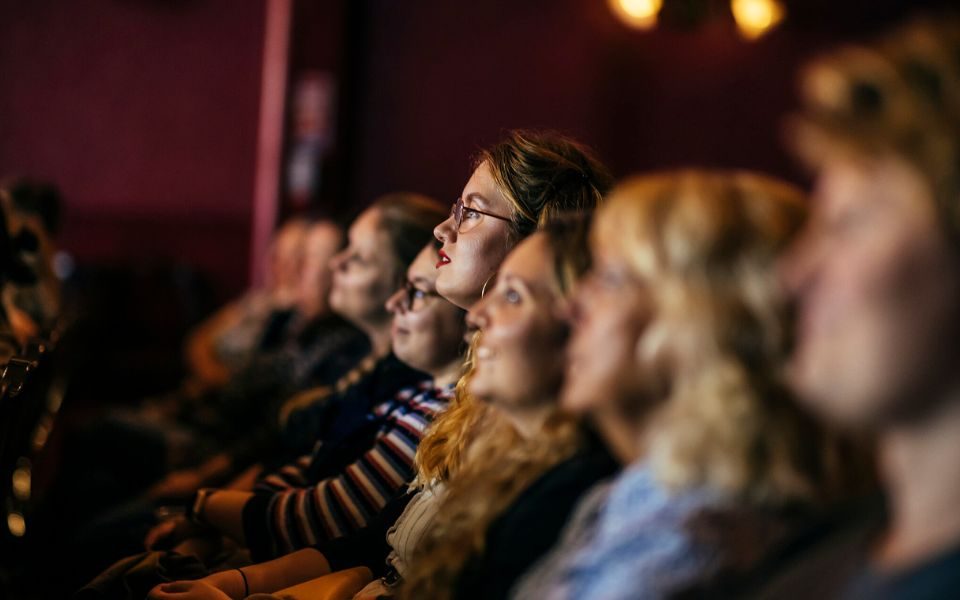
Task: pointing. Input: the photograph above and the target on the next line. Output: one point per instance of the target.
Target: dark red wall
(443, 78)
(145, 113)
(440, 79)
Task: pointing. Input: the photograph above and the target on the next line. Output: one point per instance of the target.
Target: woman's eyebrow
(476, 197)
(517, 280)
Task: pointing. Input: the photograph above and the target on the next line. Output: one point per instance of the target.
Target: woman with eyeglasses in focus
(519, 184)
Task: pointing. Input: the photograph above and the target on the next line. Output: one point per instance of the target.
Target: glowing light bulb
(639, 14)
(21, 483)
(16, 524)
(756, 17)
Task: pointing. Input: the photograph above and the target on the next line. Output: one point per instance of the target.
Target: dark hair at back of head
(409, 219)
(545, 174)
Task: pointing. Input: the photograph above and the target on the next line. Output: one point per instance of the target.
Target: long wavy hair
(499, 464)
(720, 333)
(544, 175)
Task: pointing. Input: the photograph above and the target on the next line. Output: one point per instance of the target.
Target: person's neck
(622, 435)
(379, 336)
(918, 465)
(314, 312)
(448, 374)
(528, 421)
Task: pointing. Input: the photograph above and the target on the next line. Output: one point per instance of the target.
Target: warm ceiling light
(16, 524)
(639, 14)
(756, 17)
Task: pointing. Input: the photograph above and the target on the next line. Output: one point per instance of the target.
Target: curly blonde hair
(496, 464)
(707, 242)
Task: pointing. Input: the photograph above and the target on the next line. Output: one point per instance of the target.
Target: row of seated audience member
(686, 384)
(32, 328)
(30, 297)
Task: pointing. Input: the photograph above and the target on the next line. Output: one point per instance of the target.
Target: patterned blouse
(634, 539)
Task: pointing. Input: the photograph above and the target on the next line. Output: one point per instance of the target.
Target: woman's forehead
(530, 262)
(482, 191)
(424, 266)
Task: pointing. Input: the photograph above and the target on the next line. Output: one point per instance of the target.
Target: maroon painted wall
(145, 113)
(440, 79)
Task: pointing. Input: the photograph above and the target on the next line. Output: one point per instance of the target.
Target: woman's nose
(796, 267)
(336, 262)
(395, 303)
(445, 232)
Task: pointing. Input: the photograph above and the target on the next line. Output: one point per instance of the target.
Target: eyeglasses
(458, 211)
(414, 298)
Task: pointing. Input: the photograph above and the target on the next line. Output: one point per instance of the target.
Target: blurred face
(471, 253)
(519, 361)
(364, 274)
(427, 330)
(877, 287)
(611, 310)
(286, 257)
(322, 243)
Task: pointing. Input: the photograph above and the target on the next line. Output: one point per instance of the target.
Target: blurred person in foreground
(877, 278)
(679, 339)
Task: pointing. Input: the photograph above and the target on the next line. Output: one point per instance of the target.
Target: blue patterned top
(627, 539)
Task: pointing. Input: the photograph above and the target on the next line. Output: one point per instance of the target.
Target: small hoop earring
(483, 290)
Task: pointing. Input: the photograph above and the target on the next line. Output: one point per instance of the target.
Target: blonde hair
(706, 243)
(495, 464)
(442, 448)
(899, 96)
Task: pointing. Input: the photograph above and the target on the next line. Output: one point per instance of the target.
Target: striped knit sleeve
(298, 516)
(289, 476)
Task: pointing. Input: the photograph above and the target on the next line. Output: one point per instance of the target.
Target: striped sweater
(297, 507)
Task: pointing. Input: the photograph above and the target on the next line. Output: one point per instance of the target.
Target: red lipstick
(444, 259)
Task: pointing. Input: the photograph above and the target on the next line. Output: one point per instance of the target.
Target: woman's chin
(575, 399)
(336, 303)
(408, 355)
(454, 294)
(479, 389)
